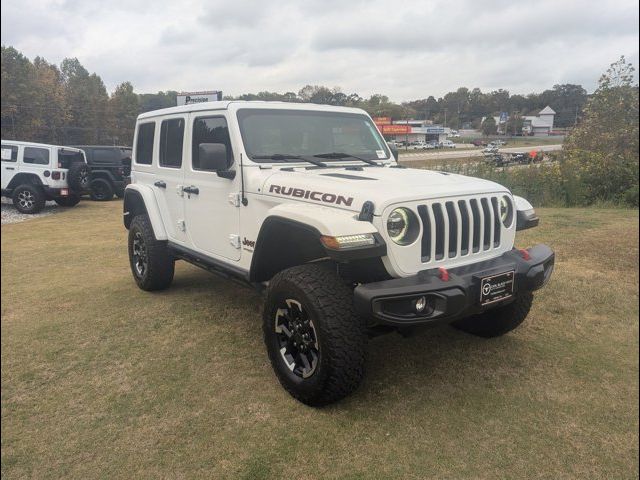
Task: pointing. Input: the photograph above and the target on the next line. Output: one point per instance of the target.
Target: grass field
(102, 380)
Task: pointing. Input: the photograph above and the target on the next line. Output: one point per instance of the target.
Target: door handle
(160, 184)
(9, 168)
(191, 190)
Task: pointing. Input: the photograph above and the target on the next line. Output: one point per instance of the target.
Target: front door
(211, 216)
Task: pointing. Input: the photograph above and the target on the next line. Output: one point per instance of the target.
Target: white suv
(33, 173)
(307, 202)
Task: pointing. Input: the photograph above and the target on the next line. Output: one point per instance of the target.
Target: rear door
(212, 218)
(9, 163)
(165, 181)
(170, 174)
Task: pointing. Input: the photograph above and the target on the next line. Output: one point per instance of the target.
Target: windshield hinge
(234, 199)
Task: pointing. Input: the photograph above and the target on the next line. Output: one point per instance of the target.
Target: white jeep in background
(33, 173)
(308, 202)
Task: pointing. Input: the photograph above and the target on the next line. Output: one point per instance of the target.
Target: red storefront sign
(396, 129)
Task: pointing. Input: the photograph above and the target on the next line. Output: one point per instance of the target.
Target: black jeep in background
(110, 169)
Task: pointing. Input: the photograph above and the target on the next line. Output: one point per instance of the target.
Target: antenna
(243, 199)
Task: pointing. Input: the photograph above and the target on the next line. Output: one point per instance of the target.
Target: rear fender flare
(140, 199)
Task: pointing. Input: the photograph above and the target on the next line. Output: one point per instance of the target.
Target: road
(476, 152)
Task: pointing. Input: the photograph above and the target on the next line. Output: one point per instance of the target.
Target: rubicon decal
(312, 195)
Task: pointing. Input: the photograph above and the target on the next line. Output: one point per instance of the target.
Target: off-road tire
(101, 190)
(159, 266)
(340, 333)
(498, 321)
(79, 176)
(70, 201)
(28, 198)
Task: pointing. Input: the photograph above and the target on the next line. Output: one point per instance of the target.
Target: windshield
(268, 135)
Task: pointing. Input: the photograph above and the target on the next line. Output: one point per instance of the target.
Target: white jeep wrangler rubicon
(33, 173)
(309, 202)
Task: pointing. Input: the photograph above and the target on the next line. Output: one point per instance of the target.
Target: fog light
(421, 303)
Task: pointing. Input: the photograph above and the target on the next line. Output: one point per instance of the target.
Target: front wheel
(498, 321)
(315, 341)
(151, 262)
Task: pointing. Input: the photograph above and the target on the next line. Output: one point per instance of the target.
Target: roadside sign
(395, 129)
(189, 98)
(382, 120)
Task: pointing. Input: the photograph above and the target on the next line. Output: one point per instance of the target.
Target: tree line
(66, 104)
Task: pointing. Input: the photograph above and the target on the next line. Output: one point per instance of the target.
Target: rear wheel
(70, 201)
(315, 341)
(28, 198)
(151, 262)
(498, 321)
(101, 190)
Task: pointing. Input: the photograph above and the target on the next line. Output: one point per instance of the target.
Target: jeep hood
(349, 189)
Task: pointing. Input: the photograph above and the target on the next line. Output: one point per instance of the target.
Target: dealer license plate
(496, 287)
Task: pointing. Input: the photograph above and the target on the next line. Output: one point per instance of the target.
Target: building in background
(411, 131)
(541, 124)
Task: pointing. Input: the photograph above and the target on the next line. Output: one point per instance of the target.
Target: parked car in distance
(420, 145)
(491, 148)
(434, 143)
(479, 143)
(447, 144)
(33, 173)
(110, 169)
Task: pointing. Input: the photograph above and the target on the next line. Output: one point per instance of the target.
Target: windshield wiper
(338, 155)
(286, 158)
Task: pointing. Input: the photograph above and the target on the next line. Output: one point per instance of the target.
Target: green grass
(102, 380)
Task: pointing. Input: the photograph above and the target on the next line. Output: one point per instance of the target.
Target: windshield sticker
(381, 154)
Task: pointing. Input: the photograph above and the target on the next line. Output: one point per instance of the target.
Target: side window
(38, 156)
(9, 153)
(104, 155)
(144, 145)
(210, 130)
(171, 139)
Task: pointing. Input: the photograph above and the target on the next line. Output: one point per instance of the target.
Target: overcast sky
(406, 50)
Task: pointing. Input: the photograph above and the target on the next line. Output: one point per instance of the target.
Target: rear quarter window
(104, 155)
(9, 153)
(36, 156)
(144, 143)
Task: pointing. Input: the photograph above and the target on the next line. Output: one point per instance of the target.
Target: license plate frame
(497, 287)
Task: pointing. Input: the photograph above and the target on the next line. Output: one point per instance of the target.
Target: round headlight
(402, 226)
(506, 211)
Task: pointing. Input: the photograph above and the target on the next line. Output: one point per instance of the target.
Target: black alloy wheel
(139, 255)
(297, 338)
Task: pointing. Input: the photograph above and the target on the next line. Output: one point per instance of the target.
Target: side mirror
(213, 158)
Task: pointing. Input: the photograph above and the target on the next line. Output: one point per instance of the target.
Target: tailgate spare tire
(79, 176)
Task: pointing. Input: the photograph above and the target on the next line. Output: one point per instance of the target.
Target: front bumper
(390, 302)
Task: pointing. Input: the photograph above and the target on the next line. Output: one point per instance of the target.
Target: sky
(403, 49)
